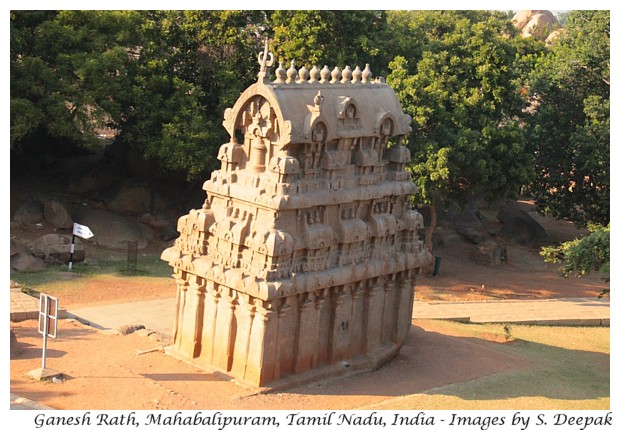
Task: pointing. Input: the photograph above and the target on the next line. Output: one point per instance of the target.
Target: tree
(161, 78)
(68, 74)
(569, 130)
(333, 38)
(463, 93)
(191, 66)
(583, 256)
(570, 134)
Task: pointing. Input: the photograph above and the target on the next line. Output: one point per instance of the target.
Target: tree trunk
(428, 239)
(431, 228)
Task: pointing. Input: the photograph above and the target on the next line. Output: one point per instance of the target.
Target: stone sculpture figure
(302, 261)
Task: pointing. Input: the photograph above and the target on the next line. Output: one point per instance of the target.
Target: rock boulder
(488, 253)
(26, 263)
(114, 231)
(535, 23)
(518, 227)
(132, 198)
(30, 212)
(57, 247)
(57, 214)
(455, 217)
(472, 234)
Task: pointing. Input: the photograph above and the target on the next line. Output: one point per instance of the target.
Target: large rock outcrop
(535, 23)
(29, 213)
(113, 231)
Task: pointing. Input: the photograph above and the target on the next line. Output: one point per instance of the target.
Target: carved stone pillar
(307, 335)
(261, 349)
(225, 331)
(405, 298)
(357, 318)
(374, 314)
(388, 311)
(244, 316)
(341, 330)
(285, 342)
(209, 321)
(180, 311)
(189, 344)
(319, 302)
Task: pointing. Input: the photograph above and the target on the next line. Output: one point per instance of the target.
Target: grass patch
(148, 265)
(59, 281)
(570, 370)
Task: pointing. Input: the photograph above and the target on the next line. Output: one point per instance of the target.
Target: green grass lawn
(570, 371)
(58, 279)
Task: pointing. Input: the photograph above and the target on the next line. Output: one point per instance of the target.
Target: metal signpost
(48, 327)
(82, 231)
(48, 320)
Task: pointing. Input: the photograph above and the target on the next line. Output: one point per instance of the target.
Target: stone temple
(301, 263)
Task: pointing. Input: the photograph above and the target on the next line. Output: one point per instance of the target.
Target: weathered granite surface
(301, 263)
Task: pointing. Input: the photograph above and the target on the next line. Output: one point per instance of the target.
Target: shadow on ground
(478, 369)
(109, 372)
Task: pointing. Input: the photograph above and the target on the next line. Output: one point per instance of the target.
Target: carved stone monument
(301, 263)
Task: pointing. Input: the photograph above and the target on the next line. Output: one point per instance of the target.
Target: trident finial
(265, 59)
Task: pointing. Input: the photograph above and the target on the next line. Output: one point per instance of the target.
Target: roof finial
(265, 59)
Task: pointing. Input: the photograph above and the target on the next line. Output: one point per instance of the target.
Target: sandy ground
(103, 371)
(132, 372)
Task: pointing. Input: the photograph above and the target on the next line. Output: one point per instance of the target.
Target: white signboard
(48, 315)
(82, 231)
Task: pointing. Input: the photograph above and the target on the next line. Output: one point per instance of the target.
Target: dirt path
(117, 372)
(525, 278)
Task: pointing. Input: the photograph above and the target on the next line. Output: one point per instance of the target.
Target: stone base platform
(344, 369)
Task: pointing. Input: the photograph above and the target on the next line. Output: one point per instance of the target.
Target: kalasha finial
(265, 59)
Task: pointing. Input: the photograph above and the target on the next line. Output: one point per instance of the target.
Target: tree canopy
(69, 73)
(569, 130)
(461, 85)
(191, 66)
(490, 111)
(582, 256)
(162, 78)
(335, 38)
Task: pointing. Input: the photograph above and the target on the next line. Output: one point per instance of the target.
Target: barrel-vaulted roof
(349, 103)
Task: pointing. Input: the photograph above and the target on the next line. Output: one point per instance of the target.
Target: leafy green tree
(569, 130)
(68, 71)
(570, 133)
(161, 78)
(191, 66)
(333, 38)
(582, 256)
(462, 89)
